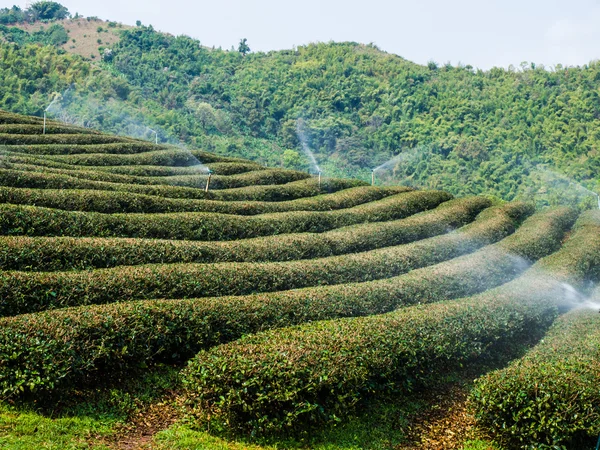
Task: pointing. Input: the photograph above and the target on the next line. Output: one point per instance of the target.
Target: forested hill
(511, 133)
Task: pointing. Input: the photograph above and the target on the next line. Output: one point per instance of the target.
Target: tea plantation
(273, 305)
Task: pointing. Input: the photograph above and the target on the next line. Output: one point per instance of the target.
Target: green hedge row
(75, 149)
(64, 179)
(293, 378)
(171, 157)
(33, 139)
(552, 396)
(126, 202)
(63, 253)
(217, 168)
(66, 347)
(33, 291)
(10, 118)
(37, 221)
(51, 128)
(256, 177)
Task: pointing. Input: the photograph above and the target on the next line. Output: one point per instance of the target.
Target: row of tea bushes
(63, 253)
(172, 157)
(33, 291)
(217, 168)
(37, 221)
(551, 396)
(75, 149)
(67, 139)
(256, 177)
(62, 179)
(109, 202)
(294, 378)
(51, 128)
(63, 348)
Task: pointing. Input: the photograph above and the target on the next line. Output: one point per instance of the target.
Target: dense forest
(513, 133)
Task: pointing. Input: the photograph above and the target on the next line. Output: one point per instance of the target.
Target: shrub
(286, 379)
(550, 396)
(37, 221)
(71, 345)
(126, 202)
(19, 176)
(30, 291)
(48, 253)
(32, 139)
(38, 128)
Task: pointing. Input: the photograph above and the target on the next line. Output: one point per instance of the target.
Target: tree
(45, 10)
(243, 47)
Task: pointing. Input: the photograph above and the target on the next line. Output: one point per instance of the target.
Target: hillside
(160, 297)
(517, 134)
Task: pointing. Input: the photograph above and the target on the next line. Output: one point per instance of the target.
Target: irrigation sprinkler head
(319, 179)
(208, 180)
(372, 177)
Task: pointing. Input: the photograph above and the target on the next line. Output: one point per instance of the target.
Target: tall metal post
(44, 123)
(373, 177)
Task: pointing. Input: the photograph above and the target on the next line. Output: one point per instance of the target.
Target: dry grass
(84, 35)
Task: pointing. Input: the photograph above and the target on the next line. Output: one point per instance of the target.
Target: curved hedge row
(256, 177)
(288, 378)
(61, 253)
(36, 221)
(51, 128)
(62, 179)
(33, 139)
(551, 395)
(172, 157)
(110, 202)
(76, 149)
(217, 168)
(24, 292)
(64, 347)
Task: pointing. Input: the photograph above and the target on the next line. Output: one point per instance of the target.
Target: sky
(479, 33)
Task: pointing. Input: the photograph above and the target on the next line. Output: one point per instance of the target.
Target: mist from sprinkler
(56, 97)
(155, 135)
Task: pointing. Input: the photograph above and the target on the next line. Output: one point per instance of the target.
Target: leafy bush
(37, 221)
(78, 344)
(126, 202)
(293, 378)
(20, 176)
(550, 396)
(48, 253)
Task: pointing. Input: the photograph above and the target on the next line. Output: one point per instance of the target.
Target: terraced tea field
(266, 303)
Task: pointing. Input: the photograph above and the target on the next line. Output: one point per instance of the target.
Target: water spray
(56, 97)
(208, 180)
(155, 135)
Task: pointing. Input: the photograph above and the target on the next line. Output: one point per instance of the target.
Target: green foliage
(550, 397)
(293, 378)
(468, 132)
(41, 10)
(23, 253)
(38, 221)
(121, 336)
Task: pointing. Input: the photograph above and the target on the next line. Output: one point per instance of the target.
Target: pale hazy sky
(476, 32)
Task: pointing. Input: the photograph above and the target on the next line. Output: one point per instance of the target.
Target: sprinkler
(208, 181)
(155, 135)
(319, 180)
(598, 195)
(372, 177)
